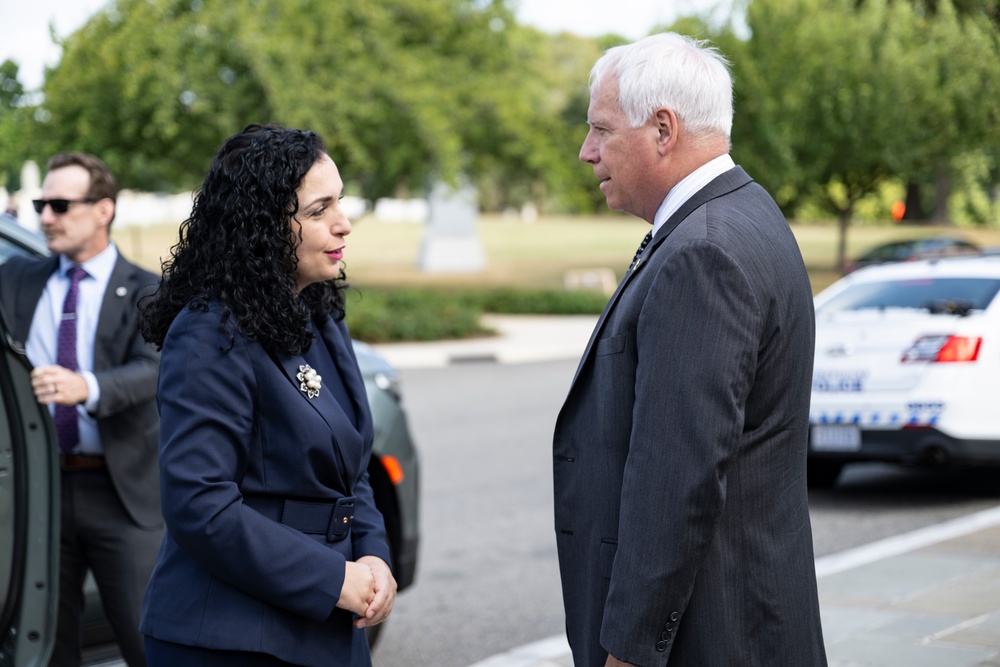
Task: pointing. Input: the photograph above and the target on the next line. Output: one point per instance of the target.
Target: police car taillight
(943, 348)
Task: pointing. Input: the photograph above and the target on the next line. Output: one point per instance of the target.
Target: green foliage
(14, 118)
(154, 88)
(378, 80)
(821, 102)
(404, 92)
(563, 68)
(836, 98)
(540, 302)
(379, 314)
(976, 201)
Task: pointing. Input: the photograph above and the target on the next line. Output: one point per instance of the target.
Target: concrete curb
(542, 653)
(907, 542)
(519, 339)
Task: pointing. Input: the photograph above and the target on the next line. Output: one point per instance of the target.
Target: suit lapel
(343, 356)
(324, 403)
(721, 185)
(118, 314)
(349, 441)
(34, 279)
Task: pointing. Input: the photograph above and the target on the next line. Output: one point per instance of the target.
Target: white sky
(24, 31)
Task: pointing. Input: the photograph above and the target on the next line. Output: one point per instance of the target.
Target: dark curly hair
(238, 247)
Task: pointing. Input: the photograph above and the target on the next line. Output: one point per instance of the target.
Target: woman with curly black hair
(274, 552)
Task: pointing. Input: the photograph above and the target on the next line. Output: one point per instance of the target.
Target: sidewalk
(520, 339)
(930, 598)
(933, 606)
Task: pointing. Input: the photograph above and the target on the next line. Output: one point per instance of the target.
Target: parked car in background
(394, 469)
(914, 249)
(16, 240)
(907, 367)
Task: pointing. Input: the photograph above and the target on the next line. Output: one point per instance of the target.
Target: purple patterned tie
(65, 417)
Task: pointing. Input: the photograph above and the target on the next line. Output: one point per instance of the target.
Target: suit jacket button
(665, 636)
(674, 616)
(661, 646)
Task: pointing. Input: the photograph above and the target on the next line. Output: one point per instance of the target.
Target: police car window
(923, 294)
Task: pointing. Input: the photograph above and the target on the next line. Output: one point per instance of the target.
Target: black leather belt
(78, 462)
(331, 519)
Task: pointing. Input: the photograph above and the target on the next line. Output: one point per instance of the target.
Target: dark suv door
(29, 516)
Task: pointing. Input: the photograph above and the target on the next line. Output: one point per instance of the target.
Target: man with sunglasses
(76, 313)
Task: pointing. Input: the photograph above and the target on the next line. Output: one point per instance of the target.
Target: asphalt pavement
(929, 598)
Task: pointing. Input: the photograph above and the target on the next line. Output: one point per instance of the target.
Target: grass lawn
(539, 254)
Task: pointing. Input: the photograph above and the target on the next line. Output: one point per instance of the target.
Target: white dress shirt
(43, 336)
(689, 185)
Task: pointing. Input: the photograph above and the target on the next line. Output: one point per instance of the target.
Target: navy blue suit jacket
(235, 427)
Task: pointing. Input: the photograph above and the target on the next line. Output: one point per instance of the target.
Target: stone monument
(451, 239)
(31, 188)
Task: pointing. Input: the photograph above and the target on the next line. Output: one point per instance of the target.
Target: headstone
(451, 239)
(31, 188)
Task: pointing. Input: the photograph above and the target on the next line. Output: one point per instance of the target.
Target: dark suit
(125, 368)
(245, 456)
(681, 520)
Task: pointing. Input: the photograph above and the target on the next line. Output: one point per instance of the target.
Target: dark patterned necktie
(642, 246)
(65, 417)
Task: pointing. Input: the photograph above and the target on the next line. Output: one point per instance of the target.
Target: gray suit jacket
(125, 368)
(681, 511)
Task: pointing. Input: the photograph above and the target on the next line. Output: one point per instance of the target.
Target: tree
(563, 64)
(154, 88)
(990, 9)
(835, 99)
(962, 52)
(13, 121)
(404, 92)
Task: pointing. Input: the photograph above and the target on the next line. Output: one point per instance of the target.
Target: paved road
(874, 501)
(488, 580)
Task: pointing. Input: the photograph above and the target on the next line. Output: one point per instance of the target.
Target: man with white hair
(681, 510)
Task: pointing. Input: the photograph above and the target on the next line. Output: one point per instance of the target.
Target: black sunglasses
(59, 206)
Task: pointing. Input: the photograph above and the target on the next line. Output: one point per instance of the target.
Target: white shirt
(689, 185)
(43, 337)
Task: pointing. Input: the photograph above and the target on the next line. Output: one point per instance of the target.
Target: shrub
(541, 302)
(385, 314)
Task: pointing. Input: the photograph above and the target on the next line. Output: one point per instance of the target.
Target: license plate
(836, 438)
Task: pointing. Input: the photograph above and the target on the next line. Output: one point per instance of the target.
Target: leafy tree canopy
(404, 91)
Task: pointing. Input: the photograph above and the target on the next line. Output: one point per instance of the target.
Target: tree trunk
(843, 222)
(914, 204)
(942, 189)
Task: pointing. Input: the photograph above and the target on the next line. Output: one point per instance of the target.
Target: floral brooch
(310, 382)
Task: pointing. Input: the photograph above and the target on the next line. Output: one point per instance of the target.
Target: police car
(907, 367)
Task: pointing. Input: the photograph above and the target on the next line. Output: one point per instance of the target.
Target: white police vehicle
(907, 367)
